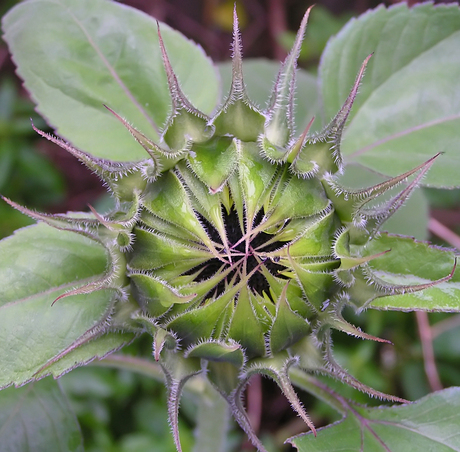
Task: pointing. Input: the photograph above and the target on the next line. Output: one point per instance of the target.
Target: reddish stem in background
(426, 339)
(277, 24)
(443, 232)
(254, 401)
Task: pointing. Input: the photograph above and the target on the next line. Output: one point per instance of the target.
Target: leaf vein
(402, 133)
(112, 70)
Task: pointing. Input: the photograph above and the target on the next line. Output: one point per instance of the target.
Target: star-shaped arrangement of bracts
(233, 243)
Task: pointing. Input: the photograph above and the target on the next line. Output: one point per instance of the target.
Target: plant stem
(212, 422)
(254, 401)
(133, 364)
(443, 232)
(426, 340)
(213, 417)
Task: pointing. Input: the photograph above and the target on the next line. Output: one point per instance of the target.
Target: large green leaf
(36, 338)
(38, 418)
(411, 263)
(408, 108)
(430, 424)
(75, 56)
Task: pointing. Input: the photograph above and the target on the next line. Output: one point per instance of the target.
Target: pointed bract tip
(360, 74)
(300, 34)
(7, 200)
(39, 131)
(300, 142)
(236, 45)
(362, 69)
(99, 217)
(235, 17)
(345, 110)
(149, 146)
(305, 17)
(177, 98)
(451, 275)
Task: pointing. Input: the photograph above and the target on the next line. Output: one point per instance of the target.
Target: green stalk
(133, 364)
(213, 420)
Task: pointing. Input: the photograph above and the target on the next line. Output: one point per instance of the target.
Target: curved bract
(234, 244)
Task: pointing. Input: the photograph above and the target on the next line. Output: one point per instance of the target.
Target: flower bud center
(246, 256)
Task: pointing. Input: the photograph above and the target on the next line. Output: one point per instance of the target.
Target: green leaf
(38, 264)
(11, 219)
(410, 263)
(76, 56)
(408, 107)
(431, 423)
(38, 418)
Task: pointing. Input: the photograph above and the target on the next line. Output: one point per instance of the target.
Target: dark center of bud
(246, 255)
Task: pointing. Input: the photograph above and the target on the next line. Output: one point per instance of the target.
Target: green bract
(234, 245)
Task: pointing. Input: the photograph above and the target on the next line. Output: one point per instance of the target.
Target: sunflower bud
(234, 242)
